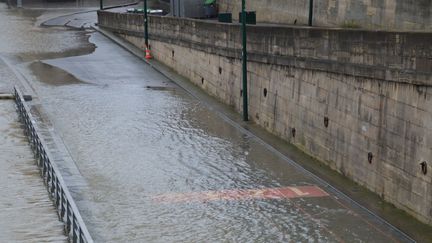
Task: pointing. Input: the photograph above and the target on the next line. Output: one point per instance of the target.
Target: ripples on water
(27, 214)
(132, 143)
(172, 144)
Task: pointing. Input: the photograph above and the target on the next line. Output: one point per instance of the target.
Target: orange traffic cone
(147, 53)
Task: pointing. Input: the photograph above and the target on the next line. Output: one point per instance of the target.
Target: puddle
(52, 75)
(85, 48)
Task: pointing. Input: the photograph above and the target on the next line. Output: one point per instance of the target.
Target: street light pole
(145, 24)
(244, 62)
(101, 5)
(311, 8)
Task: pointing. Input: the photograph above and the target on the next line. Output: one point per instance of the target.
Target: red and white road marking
(266, 193)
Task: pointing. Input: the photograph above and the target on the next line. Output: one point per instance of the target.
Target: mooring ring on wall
(326, 122)
(370, 157)
(424, 167)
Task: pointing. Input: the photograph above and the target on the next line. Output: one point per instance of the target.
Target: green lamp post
(146, 24)
(244, 63)
(311, 7)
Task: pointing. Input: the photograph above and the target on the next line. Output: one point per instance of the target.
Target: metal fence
(68, 212)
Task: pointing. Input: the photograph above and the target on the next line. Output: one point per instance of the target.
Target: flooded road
(27, 214)
(24, 39)
(160, 166)
(136, 138)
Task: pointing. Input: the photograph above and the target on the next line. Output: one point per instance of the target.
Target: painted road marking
(233, 195)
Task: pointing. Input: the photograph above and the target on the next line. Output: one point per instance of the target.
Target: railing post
(49, 179)
(80, 236)
(68, 222)
(62, 212)
(52, 180)
(43, 168)
(74, 233)
(57, 195)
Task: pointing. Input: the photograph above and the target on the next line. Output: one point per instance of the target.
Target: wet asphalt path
(159, 166)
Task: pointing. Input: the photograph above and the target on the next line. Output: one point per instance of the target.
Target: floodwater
(21, 37)
(27, 214)
(144, 146)
(135, 136)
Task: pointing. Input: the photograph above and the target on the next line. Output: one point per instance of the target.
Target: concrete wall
(384, 14)
(375, 89)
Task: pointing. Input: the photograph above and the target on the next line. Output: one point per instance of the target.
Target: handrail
(67, 210)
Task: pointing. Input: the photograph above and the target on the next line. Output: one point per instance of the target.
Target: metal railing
(67, 211)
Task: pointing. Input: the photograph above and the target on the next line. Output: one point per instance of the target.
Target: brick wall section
(374, 87)
(385, 14)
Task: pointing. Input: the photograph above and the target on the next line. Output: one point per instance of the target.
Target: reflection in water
(53, 75)
(27, 213)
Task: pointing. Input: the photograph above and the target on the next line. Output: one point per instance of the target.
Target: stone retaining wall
(359, 101)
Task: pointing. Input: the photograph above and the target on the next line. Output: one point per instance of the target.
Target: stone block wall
(359, 101)
(382, 14)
